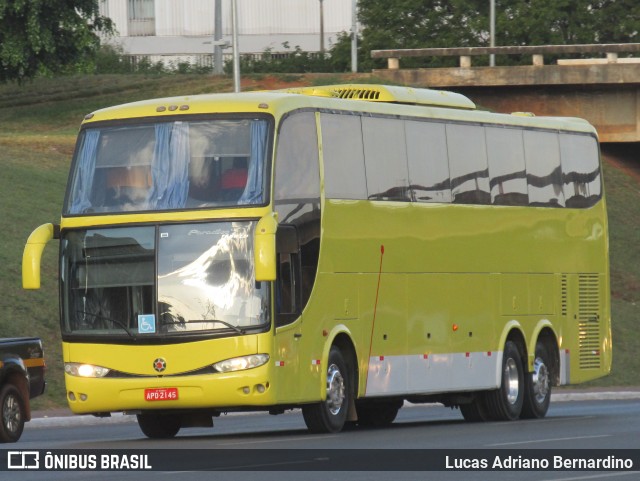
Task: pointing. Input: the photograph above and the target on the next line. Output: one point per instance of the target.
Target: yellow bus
(340, 249)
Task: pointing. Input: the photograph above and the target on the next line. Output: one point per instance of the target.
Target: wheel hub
(512, 381)
(540, 378)
(335, 389)
(11, 414)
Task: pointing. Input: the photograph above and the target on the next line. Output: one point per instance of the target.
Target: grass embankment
(38, 124)
(623, 206)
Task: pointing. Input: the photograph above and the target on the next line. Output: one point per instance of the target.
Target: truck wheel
(13, 412)
(476, 410)
(330, 415)
(505, 404)
(537, 386)
(377, 414)
(159, 426)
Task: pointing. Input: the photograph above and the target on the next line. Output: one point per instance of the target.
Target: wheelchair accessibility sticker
(146, 323)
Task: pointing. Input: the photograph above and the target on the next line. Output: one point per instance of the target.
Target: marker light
(241, 363)
(84, 370)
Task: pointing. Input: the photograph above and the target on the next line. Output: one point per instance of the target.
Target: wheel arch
(513, 331)
(18, 378)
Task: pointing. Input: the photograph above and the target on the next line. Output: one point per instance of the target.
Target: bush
(289, 61)
(110, 59)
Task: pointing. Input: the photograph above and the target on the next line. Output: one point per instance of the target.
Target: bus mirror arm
(264, 248)
(32, 254)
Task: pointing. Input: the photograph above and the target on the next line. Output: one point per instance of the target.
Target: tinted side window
(297, 171)
(385, 159)
(343, 156)
(544, 176)
(468, 164)
(506, 166)
(580, 170)
(428, 162)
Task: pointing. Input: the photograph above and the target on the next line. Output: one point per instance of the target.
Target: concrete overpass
(604, 90)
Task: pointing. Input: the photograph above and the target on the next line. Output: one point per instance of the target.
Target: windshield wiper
(115, 321)
(239, 330)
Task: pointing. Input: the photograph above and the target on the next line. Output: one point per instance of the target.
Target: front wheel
(537, 386)
(505, 403)
(13, 412)
(330, 415)
(159, 426)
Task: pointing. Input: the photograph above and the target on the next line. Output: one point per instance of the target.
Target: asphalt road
(597, 422)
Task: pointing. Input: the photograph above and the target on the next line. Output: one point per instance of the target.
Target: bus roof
(388, 93)
(382, 99)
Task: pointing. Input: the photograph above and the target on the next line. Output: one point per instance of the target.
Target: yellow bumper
(241, 389)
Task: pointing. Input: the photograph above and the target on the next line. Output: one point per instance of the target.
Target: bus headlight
(241, 363)
(85, 370)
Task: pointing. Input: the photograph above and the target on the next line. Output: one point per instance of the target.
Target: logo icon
(159, 364)
(23, 460)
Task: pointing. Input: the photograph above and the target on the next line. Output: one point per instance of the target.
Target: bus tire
(330, 415)
(476, 410)
(505, 403)
(537, 386)
(12, 414)
(377, 414)
(159, 426)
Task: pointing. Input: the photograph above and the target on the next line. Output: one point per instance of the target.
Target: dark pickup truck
(21, 378)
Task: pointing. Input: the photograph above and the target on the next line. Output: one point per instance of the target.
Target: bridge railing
(536, 51)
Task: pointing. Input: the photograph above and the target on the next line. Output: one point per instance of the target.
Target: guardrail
(536, 51)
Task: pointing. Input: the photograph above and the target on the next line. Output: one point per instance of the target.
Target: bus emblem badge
(159, 364)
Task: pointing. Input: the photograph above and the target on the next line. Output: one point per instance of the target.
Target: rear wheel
(13, 413)
(505, 403)
(159, 426)
(329, 416)
(377, 413)
(476, 410)
(537, 386)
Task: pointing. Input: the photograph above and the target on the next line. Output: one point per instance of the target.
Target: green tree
(340, 53)
(47, 36)
(560, 22)
(619, 21)
(389, 24)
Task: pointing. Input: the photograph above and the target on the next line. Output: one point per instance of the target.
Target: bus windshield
(162, 281)
(168, 165)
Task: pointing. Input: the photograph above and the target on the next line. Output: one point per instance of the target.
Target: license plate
(161, 394)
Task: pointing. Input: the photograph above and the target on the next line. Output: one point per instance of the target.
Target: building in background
(174, 31)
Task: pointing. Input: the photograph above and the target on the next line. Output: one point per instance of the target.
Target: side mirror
(264, 248)
(32, 254)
